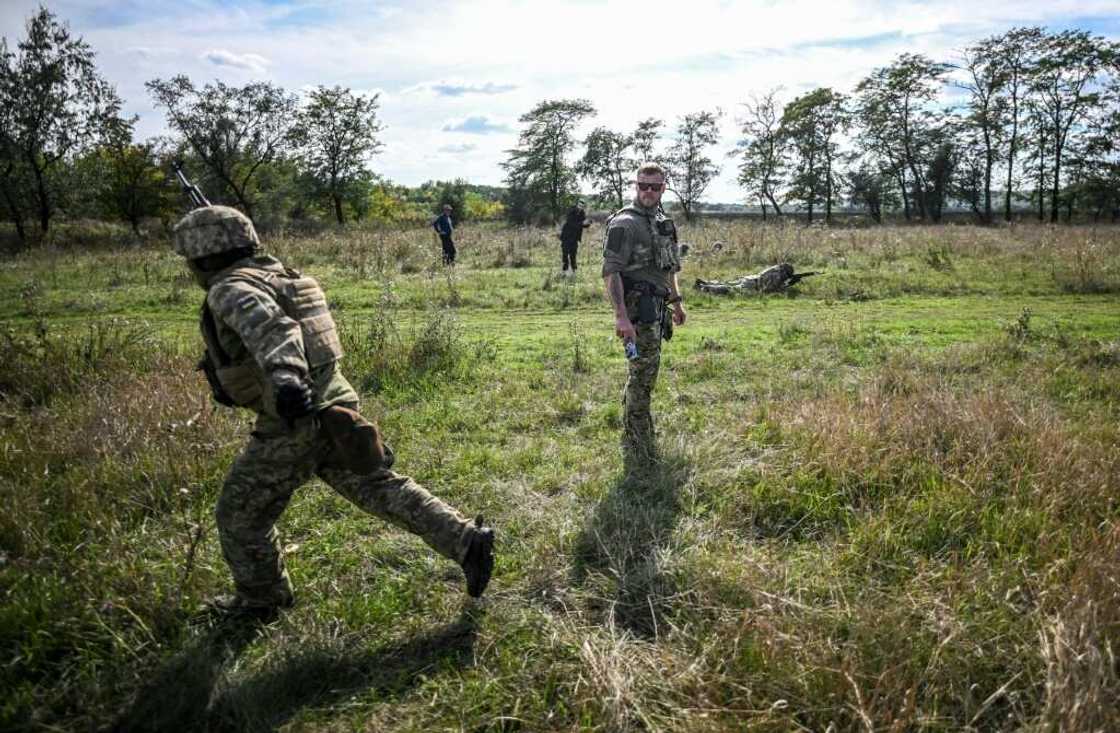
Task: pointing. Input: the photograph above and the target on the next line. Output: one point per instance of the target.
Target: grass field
(889, 500)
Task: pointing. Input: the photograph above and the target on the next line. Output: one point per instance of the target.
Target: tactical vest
(302, 300)
(661, 251)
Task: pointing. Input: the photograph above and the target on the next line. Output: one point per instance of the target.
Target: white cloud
(247, 61)
(148, 52)
(458, 148)
(440, 62)
(476, 125)
(460, 88)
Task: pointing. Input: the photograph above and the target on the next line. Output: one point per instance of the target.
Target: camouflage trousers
(261, 482)
(639, 447)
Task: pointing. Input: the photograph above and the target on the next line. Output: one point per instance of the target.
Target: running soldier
(272, 347)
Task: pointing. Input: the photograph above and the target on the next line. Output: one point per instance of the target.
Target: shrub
(104, 349)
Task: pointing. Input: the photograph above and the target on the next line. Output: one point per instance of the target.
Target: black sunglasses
(650, 186)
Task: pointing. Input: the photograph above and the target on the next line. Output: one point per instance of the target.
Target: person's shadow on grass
(178, 693)
(619, 554)
(189, 693)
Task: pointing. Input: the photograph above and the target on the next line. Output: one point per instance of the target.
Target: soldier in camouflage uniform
(272, 347)
(641, 260)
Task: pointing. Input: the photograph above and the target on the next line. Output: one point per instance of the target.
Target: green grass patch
(888, 499)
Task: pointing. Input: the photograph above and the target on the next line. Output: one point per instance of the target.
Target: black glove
(293, 396)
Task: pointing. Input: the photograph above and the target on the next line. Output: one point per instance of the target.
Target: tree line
(65, 146)
(542, 182)
(1026, 117)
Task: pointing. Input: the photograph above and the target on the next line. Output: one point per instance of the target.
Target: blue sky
(455, 76)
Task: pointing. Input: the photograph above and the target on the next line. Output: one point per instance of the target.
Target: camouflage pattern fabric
(629, 250)
(261, 482)
(629, 246)
(257, 337)
(773, 279)
(639, 444)
(211, 230)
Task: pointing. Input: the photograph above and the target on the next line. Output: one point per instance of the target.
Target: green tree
(1039, 132)
(985, 77)
(335, 133)
(1064, 82)
(872, 189)
(971, 180)
(387, 203)
(55, 107)
(690, 168)
(644, 139)
(453, 194)
(134, 185)
(14, 177)
(898, 121)
(1015, 54)
(538, 168)
(939, 172)
(1101, 186)
(234, 131)
(478, 207)
(809, 127)
(607, 164)
(762, 172)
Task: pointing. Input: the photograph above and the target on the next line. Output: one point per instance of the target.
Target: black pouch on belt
(648, 308)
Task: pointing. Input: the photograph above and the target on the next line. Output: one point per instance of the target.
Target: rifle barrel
(191, 189)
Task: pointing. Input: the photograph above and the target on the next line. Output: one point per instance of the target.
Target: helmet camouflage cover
(210, 230)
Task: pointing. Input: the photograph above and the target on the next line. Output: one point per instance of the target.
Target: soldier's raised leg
(400, 500)
(256, 491)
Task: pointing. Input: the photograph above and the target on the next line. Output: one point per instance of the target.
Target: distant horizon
(454, 78)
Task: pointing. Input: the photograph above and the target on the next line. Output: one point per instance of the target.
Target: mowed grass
(888, 500)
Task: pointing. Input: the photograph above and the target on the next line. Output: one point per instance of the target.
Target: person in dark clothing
(444, 227)
(570, 235)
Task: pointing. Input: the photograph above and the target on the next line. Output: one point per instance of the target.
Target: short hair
(651, 169)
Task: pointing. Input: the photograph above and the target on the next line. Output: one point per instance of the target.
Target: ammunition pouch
(666, 324)
(666, 251)
(358, 446)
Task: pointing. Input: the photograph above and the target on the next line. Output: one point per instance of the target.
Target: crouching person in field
(272, 347)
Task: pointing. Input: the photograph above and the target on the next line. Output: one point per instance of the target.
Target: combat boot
(235, 605)
(478, 562)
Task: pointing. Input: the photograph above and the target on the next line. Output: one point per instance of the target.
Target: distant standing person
(641, 260)
(444, 227)
(570, 235)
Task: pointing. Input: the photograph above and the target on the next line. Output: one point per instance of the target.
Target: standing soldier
(570, 235)
(444, 227)
(641, 260)
(272, 347)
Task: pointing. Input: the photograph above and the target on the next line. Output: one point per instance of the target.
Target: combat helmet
(211, 230)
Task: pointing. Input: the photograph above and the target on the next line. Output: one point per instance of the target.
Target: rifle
(796, 278)
(191, 189)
